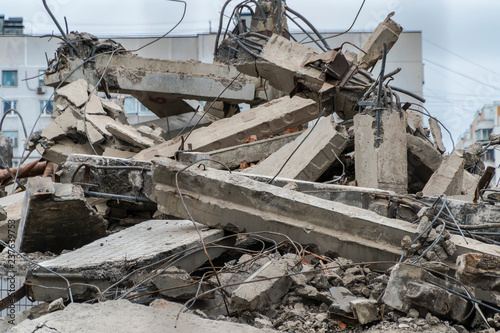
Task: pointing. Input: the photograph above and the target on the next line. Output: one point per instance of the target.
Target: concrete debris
(313, 153)
(46, 225)
(302, 196)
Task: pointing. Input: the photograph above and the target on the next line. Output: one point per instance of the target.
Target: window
(9, 105)
(46, 110)
(130, 105)
(483, 134)
(489, 155)
(9, 78)
(41, 75)
(12, 136)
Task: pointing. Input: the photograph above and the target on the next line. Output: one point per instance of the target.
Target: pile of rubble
(326, 206)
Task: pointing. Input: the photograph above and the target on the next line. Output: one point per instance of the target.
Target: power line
(461, 74)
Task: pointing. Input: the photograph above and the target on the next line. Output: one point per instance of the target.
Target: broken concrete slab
(365, 310)
(387, 32)
(129, 134)
(314, 151)
(108, 259)
(342, 299)
(94, 106)
(124, 316)
(381, 162)
(56, 217)
(76, 93)
(59, 152)
(184, 122)
(115, 111)
(259, 295)
(411, 286)
(233, 156)
(448, 179)
(263, 121)
(437, 136)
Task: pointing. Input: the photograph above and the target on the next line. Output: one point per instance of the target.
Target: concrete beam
(314, 151)
(265, 120)
(159, 83)
(233, 156)
(381, 162)
(219, 199)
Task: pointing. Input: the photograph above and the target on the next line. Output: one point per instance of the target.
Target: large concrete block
(448, 178)
(263, 121)
(314, 151)
(108, 259)
(56, 217)
(381, 162)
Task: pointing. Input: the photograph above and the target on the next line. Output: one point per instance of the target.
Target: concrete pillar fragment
(448, 178)
(381, 162)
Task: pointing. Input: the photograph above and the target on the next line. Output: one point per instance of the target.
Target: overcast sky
(460, 38)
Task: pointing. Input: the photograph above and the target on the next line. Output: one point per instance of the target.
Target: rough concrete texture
(259, 295)
(56, 217)
(366, 311)
(387, 32)
(176, 283)
(437, 135)
(232, 201)
(124, 316)
(409, 287)
(263, 121)
(139, 246)
(130, 178)
(59, 152)
(76, 93)
(423, 161)
(130, 135)
(13, 206)
(448, 178)
(161, 84)
(173, 125)
(479, 270)
(6, 151)
(383, 163)
(314, 151)
(280, 62)
(233, 156)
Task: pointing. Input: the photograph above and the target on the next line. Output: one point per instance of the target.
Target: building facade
(23, 60)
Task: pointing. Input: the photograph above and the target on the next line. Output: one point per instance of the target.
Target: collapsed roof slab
(263, 121)
(234, 202)
(159, 83)
(109, 259)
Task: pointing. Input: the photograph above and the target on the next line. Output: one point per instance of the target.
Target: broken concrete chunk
(85, 128)
(176, 283)
(59, 152)
(342, 298)
(313, 153)
(381, 162)
(412, 287)
(259, 295)
(130, 135)
(437, 136)
(387, 32)
(56, 217)
(94, 106)
(448, 179)
(12, 206)
(365, 310)
(265, 120)
(479, 270)
(75, 92)
(114, 111)
(102, 261)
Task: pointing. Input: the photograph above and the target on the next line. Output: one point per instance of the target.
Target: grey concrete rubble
(321, 146)
(305, 195)
(46, 225)
(101, 262)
